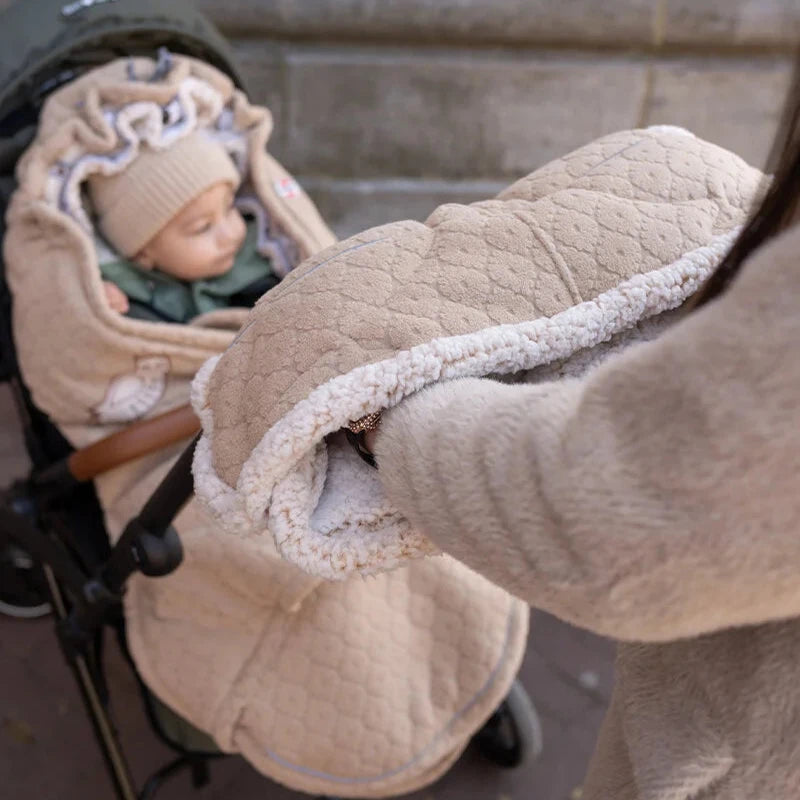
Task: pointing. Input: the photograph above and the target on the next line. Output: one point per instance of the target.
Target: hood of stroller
(46, 43)
(86, 365)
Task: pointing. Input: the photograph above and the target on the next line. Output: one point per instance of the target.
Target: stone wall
(385, 108)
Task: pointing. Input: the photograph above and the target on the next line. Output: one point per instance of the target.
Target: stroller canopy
(45, 43)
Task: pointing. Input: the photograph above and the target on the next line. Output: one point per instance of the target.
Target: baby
(181, 246)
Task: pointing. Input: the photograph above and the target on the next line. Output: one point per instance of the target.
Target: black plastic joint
(157, 555)
(97, 594)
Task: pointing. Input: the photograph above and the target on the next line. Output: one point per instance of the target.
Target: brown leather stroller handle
(137, 440)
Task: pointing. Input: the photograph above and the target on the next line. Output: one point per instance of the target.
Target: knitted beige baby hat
(136, 203)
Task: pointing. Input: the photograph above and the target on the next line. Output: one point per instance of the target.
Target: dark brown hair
(779, 204)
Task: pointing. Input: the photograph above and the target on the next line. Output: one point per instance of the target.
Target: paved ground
(47, 752)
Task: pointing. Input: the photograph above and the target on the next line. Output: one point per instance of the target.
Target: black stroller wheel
(513, 734)
(23, 591)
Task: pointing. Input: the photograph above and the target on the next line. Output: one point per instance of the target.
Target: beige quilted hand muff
(581, 251)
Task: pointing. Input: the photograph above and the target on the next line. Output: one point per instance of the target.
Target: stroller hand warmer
(564, 264)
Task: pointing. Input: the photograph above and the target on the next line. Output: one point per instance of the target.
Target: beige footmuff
(356, 688)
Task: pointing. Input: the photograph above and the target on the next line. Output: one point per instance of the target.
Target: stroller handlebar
(137, 440)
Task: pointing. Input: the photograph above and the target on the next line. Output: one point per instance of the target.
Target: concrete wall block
(735, 104)
(440, 21)
(725, 23)
(454, 116)
(731, 23)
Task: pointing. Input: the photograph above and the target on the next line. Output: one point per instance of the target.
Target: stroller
(55, 554)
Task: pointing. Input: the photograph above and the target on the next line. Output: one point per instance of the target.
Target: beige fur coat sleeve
(656, 498)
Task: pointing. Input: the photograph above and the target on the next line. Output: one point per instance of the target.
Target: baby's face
(200, 241)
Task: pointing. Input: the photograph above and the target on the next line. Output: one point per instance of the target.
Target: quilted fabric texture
(621, 230)
(358, 689)
(354, 688)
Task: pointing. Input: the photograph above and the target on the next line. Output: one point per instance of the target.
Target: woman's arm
(659, 497)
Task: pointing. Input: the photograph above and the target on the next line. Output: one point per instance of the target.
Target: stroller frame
(86, 598)
(86, 593)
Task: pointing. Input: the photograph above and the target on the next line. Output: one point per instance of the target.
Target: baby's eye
(201, 229)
